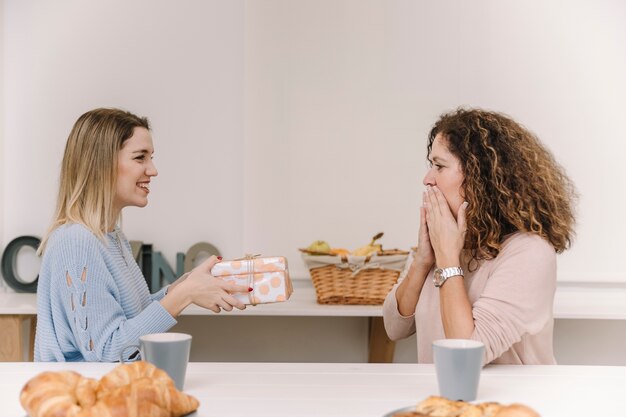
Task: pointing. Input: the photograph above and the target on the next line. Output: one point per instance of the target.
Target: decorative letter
(160, 268)
(197, 249)
(9, 263)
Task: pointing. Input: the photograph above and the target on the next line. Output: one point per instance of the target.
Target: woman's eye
(140, 158)
(438, 167)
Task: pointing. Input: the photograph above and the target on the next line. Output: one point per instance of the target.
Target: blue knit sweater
(92, 299)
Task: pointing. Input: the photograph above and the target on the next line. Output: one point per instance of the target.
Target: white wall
(326, 126)
(348, 90)
(180, 64)
(280, 122)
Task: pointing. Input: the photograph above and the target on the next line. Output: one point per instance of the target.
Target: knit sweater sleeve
(92, 301)
(518, 297)
(158, 296)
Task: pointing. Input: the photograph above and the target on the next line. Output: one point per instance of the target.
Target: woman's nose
(152, 171)
(429, 179)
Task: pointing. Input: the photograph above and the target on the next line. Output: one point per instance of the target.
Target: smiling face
(446, 173)
(135, 168)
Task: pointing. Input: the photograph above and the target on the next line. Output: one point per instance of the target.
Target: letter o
(194, 251)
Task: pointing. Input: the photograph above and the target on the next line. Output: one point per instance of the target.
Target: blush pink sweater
(512, 298)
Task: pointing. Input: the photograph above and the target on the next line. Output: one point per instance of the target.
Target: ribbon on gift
(250, 271)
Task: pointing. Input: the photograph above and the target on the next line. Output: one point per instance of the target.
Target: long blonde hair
(89, 170)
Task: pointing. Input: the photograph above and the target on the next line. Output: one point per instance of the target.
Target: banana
(370, 249)
(367, 250)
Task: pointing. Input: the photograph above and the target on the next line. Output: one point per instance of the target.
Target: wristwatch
(442, 274)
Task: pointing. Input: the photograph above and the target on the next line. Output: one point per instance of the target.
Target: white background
(277, 123)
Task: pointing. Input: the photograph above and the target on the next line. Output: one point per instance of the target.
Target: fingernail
(250, 289)
(219, 258)
(465, 204)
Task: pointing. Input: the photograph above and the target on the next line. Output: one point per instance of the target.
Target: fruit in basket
(367, 250)
(319, 246)
(339, 251)
(371, 248)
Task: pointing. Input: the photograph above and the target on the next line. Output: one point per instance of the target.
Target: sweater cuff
(161, 320)
(158, 296)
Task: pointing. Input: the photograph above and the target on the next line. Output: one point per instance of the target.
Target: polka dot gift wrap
(268, 277)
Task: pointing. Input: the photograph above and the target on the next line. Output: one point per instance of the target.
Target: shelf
(604, 301)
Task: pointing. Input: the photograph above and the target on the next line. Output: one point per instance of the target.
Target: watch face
(442, 274)
(437, 276)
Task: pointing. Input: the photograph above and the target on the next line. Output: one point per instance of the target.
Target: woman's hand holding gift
(203, 289)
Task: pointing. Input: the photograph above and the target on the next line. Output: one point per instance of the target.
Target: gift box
(268, 277)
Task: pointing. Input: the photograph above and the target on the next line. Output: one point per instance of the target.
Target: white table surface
(359, 390)
(572, 301)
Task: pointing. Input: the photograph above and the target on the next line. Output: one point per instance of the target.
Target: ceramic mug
(167, 351)
(458, 363)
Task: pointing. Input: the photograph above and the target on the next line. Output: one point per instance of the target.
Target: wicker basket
(339, 284)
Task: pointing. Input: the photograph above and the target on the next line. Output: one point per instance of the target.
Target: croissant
(56, 393)
(127, 373)
(443, 407)
(135, 389)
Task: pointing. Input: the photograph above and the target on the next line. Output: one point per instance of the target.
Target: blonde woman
(92, 299)
(496, 210)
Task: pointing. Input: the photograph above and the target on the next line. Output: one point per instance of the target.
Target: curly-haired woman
(496, 210)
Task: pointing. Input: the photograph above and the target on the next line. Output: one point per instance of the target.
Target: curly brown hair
(511, 181)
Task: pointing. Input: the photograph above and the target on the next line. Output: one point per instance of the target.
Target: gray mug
(166, 351)
(458, 363)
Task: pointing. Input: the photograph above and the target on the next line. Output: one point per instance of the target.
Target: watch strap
(442, 274)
